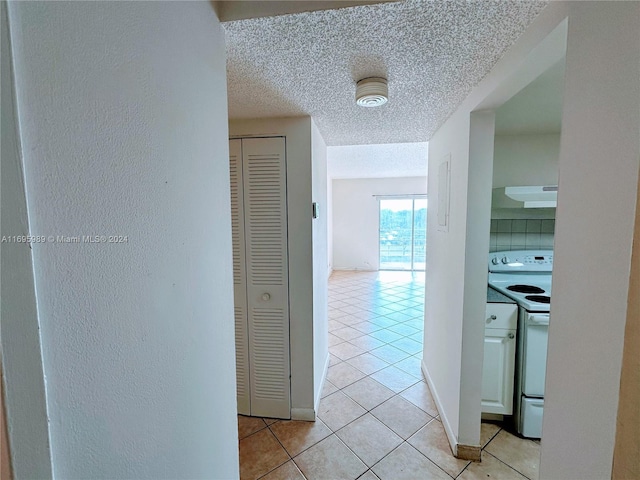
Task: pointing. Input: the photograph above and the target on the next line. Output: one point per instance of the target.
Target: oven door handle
(538, 319)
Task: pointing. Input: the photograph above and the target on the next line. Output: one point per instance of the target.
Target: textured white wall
(123, 114)
(320, 274)
(599, 163)
(445, 272)
(526, 160)
(453, 277)
(297, 131)
(21, 349)
(356, 218)
(329, 213)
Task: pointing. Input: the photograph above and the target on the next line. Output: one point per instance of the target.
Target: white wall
(523, 160)
(526, 160)
(329, 214)
(122, 112)
(356, 217)
(320, 270)
(456, 272)
(599, 163)
(299, 201)
(25, 392)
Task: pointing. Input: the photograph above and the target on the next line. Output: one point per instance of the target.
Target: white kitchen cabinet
(260, 274)
(499, 358)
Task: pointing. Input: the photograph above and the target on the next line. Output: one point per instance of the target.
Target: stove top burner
(539, 298)
(525, 289)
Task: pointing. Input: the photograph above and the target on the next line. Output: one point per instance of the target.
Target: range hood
(534, 196)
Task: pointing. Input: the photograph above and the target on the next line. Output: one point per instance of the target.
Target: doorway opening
(403, 233)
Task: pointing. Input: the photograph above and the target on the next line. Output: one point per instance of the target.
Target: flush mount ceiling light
(372, 92)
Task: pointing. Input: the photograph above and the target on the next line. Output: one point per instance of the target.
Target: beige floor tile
(402, 328)
(367, 342)
(259, 454)
(411, 365)
(328, 388)
(487, 432)
(408, 345)
(406, 463)
(369, 439)
(368, 393)
(521, 454)
(345, 350)
(367, 363)
(394, 378)
(386, 335)
(431, 440)
(490, 467)
(347, 333)
(335, 340)
(343, 374)
(287, 471)
(249, 425)
(367, 326)
(401, 416)
(418, 337)
(420, 396)
(333, 360)
(384, 321)
(337, 410)
(335, 325)
(390, 353)
(330, 459)
(296, 436)
(368, 475)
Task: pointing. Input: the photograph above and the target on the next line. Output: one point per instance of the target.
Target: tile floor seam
(510, 466)
(376, 307)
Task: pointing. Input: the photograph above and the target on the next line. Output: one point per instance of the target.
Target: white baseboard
(309, 414)
(325, 369)
(306, 414)
(355, 269)
(451, 436)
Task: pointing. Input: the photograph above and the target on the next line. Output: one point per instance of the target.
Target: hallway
(377, 418)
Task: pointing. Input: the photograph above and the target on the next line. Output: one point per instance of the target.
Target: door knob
(266, 297)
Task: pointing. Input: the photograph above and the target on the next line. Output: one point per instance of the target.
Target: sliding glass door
(403, 233)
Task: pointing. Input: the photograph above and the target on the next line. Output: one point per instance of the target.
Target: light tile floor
(377, 419)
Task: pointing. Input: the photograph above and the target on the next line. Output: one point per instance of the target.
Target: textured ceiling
(378, 161)
(432, 52)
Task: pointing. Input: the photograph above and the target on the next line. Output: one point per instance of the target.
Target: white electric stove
(525, 276)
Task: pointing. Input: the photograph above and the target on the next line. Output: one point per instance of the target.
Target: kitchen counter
(494, 296)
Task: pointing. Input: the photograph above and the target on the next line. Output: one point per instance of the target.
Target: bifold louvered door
(260, 267)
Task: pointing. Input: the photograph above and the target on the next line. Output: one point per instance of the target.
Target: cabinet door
(265, 224)
(239, 278)
(498, 371)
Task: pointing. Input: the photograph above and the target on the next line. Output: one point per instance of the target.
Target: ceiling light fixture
(372, 92)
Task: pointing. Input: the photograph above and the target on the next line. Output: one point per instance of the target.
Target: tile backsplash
(518, 234)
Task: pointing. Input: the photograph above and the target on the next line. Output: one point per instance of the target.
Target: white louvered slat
(239, 279)
(264, 182)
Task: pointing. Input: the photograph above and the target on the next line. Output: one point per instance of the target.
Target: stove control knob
(505, 260)
(495, 260)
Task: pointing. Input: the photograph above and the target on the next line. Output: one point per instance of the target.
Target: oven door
(535, 353)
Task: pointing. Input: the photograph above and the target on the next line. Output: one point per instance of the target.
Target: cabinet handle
(511, 335)
(493, 317)
(266, 297)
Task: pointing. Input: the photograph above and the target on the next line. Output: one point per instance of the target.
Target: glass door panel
(403, 233)
(396, 225)
(419, 233)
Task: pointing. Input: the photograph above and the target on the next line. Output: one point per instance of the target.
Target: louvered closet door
(239, 278)
(264, 181)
